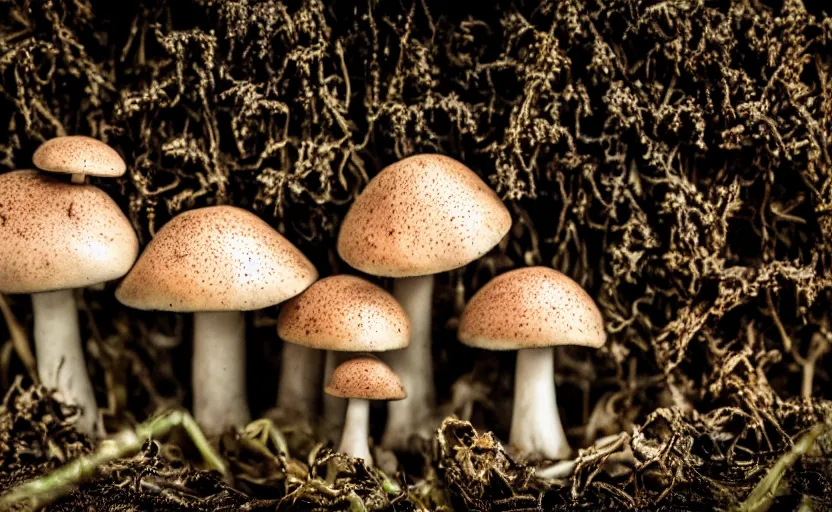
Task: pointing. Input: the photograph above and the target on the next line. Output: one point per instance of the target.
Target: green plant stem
(44, 489)
(762, 497)
(264, 431)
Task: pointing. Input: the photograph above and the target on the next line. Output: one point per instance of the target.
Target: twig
(762, 497)
(44, 489)
(787, 341)
(19, 340)
(819, 346)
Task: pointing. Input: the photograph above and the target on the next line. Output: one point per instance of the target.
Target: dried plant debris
(478, 474)
(672, 157)
(153, 479)
(338, 482)
(37, 437)
(36, 434)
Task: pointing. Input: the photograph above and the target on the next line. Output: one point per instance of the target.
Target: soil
(672, 157)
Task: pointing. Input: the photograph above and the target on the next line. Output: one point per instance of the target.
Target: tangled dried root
(672, 157)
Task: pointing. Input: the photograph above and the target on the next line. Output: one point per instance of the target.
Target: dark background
(672, 157)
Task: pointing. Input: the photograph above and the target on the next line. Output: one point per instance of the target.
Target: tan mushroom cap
(76, 154)
(55, 235)
(218, 258)
(423, 215)
(531, 307)
(365, 377)
(345, 313)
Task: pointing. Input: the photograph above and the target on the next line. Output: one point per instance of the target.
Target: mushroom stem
(300, 380)
(535, 423)
(79, 179)
(413, 364)
(60, 355)
(334, 407)
(219, 371)
(354, 440)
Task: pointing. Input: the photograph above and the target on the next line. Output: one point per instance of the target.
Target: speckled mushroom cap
(218, 258)
(531, 307)
(423, 215)
(56, 235)
(365, 377)
(76, 154)
(345, 313)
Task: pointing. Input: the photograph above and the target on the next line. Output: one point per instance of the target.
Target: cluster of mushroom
(429, 214)
(57, 235)
(421, 216)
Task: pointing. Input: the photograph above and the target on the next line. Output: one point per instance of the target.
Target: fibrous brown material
(671, 157)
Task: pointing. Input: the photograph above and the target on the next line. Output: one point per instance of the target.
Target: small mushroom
(217, 262)
(532, 310)
(79, 156)
(360, 380)
(339, 313)
(418, 217)
(55, 236)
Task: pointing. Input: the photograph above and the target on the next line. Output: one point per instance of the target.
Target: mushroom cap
(532, 307)
(345, 313)
(423, 215)
(218, 258)
(77, 154)
(55, 235)
(365, 377)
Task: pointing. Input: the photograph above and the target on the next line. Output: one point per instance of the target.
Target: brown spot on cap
(219, 258)
(76, 154)
(531, 308)
(55, 235)
(365, 377)
(423, 215)
(345, 313)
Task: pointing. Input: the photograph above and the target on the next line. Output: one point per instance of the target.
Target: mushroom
(300, 381)
(360, 380)
(217, 262)
(78, 155)
(421, 216)
(532, 310)
(56, 236)
(344, 314)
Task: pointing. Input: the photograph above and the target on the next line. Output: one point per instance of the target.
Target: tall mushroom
(421, 216)
(360, 380)
(56, 236)
(343, 314)
(532, 310)
(217, 262)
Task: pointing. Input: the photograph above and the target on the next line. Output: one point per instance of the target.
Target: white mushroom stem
(219, 371)
(414, 364)
(60, 355)
(535, 423)
(300, 380)
(354, 440)
(79, 179)
(334, 407)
